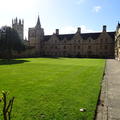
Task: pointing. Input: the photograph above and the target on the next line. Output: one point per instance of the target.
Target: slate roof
(67, 36)
(83, 35)
(47, 37)
(92, 35)
(112, 34)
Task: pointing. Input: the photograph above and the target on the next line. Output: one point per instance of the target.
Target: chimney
(57, 31)
(79, 30)
(104, 28)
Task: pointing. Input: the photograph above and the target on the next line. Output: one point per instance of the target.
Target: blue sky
(65, 15)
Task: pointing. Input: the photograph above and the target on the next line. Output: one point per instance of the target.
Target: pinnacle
(38, 22)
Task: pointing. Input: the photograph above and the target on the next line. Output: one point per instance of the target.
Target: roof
(92, 35)
(47, 37)
(83, 35)
(112, 34)
(38, 22)
(67, 36)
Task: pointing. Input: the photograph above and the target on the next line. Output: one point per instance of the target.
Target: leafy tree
(9, 42)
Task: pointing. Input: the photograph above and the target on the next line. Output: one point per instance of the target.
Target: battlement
(18, 25)
(17, 21)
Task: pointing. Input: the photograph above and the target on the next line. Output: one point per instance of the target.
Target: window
(64, 47)
(106, 47)
(64, 41)
(106, 53)
(101, 40)
(55, 53)
(100, 46)
(89, 52)
(89, 47)
(64, 52)
(106, 40)
(55, 41)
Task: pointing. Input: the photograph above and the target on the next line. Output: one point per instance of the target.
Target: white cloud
(79, 2)
(97, 8)
(84, 29)
(72, 29)
(49, 32)
(68, 29)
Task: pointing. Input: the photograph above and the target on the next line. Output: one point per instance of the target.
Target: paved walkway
(109, 106)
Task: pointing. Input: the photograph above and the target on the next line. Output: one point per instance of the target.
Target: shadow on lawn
(10, 62)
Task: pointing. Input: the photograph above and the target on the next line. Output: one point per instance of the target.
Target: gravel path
(109, 106)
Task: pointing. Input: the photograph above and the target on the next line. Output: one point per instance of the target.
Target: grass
(51, 88)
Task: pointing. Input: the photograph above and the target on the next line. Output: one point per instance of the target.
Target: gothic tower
(39, 34)
(18, 25)
(35, 36)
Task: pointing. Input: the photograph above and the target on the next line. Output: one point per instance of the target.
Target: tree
(9, 42)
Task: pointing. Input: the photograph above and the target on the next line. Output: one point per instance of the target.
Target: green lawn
(52, 88)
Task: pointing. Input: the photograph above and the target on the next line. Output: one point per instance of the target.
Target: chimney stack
(104, 28)
(79, 30)
(57, 31)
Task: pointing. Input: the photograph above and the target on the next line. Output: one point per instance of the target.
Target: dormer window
(106, 40)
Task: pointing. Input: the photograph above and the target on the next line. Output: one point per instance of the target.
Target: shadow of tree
(12, 61)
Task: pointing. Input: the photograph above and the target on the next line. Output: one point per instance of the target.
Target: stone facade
(35, 36)
(117, 42)
(18, 25)
(97, 45)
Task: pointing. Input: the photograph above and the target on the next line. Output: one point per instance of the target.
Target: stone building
(18, 25)
(98, 45)
(117, 42)
(35, 36)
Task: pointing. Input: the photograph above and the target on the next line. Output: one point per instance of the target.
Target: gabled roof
(47, 37)
(91, 35)
(67, 36)
(85, 36)
(61, 37)
(112, 34)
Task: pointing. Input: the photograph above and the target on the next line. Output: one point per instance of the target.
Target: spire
(38, 22)
(118, 24)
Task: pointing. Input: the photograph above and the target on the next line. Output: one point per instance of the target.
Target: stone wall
(102, 47)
